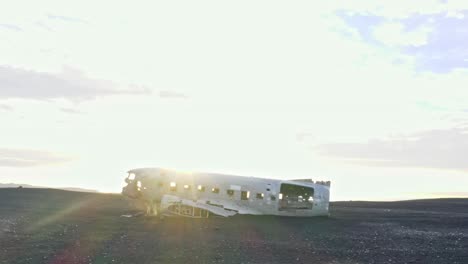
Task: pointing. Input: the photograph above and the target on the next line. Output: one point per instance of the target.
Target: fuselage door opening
(295, 197)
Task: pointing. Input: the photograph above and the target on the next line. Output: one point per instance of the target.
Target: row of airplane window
(244, 194)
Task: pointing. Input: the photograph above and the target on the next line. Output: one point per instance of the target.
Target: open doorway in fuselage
(294, 197)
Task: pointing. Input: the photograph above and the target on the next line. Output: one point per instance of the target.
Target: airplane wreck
(201, 195)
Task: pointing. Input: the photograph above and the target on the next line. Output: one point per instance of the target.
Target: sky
(371, 96)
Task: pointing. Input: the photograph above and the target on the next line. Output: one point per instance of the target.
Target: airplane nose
(124, 190)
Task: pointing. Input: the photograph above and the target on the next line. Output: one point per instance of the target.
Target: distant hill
(73, 189)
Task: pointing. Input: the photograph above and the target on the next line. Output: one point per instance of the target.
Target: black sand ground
(52, 226)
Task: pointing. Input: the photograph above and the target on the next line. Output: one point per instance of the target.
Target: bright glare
(372, 92)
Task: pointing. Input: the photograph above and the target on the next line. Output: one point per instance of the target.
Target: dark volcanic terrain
(53, 226)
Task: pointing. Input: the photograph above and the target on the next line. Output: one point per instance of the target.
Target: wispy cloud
(172, 95)
(70, 110)
(4, 107)
(441, 149)
(69, 84)
(30, 158)
(66, 18)
(435, 40)
(11, 27)
(44, 26)
(304, 135)
(445, 49)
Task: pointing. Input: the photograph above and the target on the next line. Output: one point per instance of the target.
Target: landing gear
(152, 208)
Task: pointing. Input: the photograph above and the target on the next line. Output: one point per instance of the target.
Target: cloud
(304, 135)
(66, 18)
(11, 27)
(29, 158)
(401, 9)
(435, 40)
(44, 26)
(441, 149)
(4, 107)
(69, 84)
(446, 47)
(362, 23)
(172, 95)
(70, 110)
(395, 34)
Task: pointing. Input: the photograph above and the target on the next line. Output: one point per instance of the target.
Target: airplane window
(230, 192)
(173, 186)
(201, 188)
(245, 195)
(187, 187)
(259, 195)
(139, 185)
(215, 190)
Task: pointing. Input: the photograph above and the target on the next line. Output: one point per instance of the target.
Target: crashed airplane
(200, 195)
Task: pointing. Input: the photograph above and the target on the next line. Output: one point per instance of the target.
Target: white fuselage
(226, 195)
